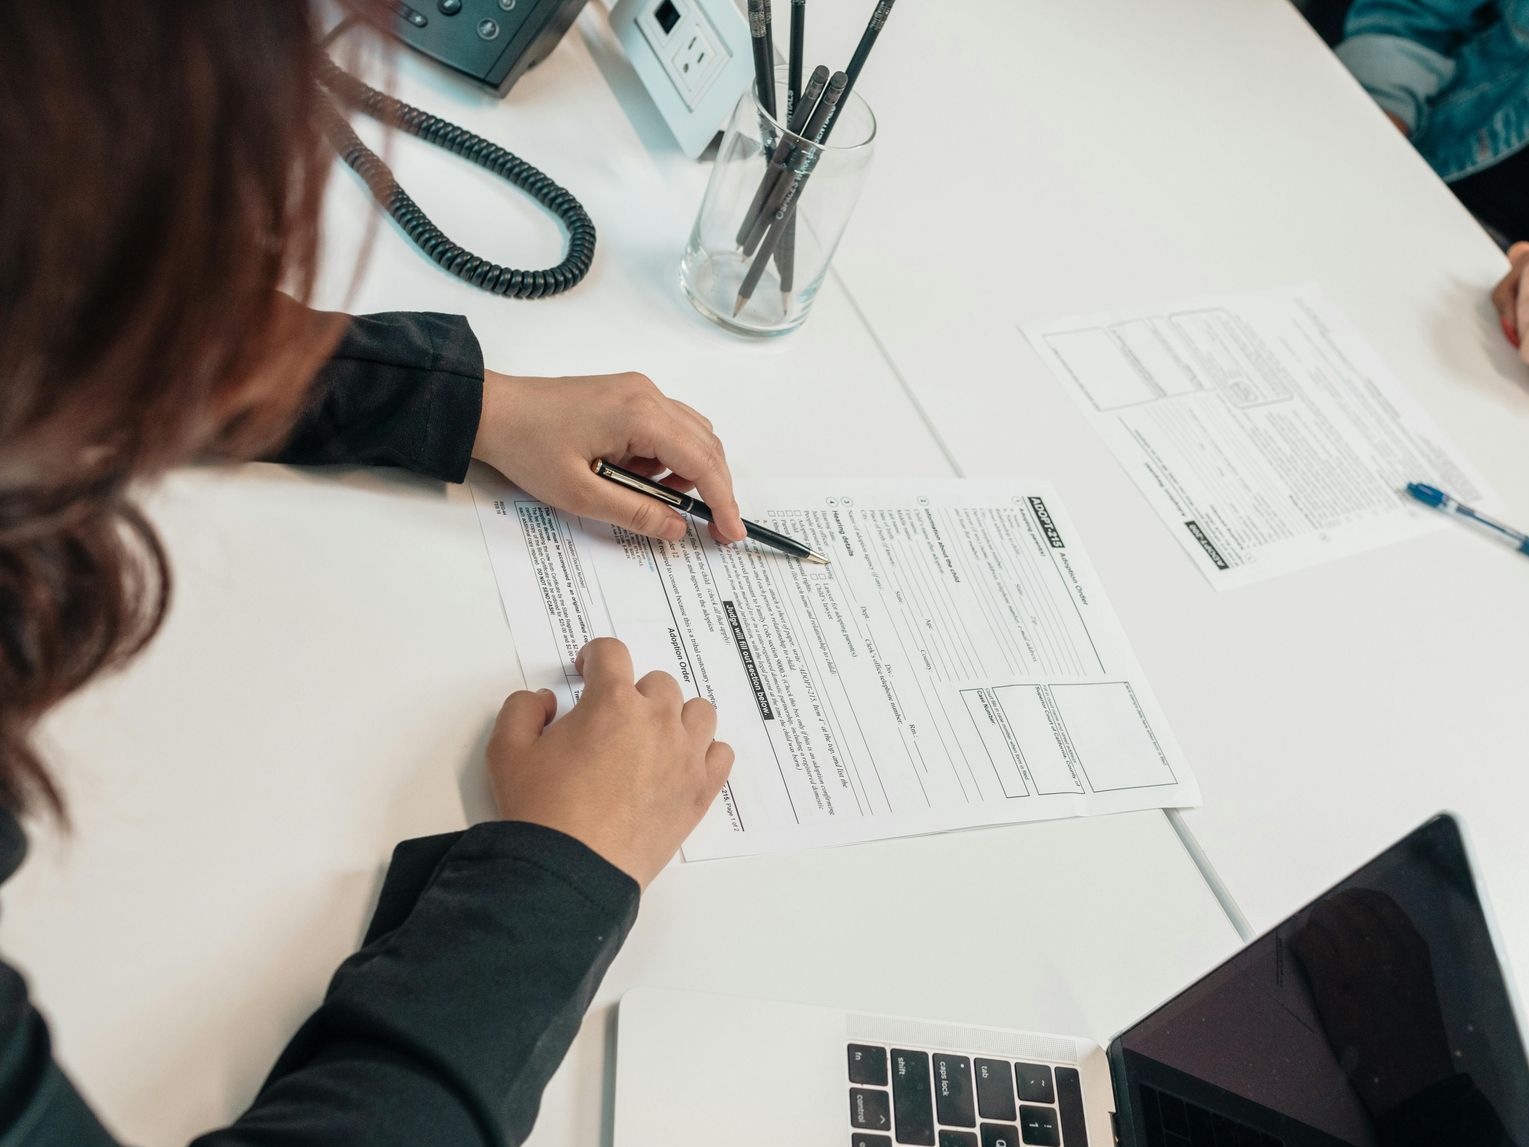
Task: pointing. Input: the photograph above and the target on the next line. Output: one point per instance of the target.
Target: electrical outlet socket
(693, 57)
(695, 62)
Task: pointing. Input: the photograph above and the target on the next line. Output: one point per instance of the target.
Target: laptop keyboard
(941, 1099)
(1174, 1122)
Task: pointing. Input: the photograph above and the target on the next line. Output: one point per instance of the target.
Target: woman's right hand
(1511, 297)
(629, 771)
(543, 434)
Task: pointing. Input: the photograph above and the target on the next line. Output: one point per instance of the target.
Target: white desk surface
(1103, 154)
(336, 652)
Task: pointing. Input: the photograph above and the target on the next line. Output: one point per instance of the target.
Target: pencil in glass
(785, 244)
(796, 124)
(790, 181)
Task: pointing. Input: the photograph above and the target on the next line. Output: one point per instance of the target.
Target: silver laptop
(1380, 1015)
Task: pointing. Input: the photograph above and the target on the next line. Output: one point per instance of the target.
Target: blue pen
(1439, 500)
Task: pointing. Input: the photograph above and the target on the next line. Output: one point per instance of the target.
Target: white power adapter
(693, 56)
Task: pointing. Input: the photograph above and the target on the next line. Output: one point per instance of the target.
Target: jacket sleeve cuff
(556, 853)
(1401, 75)
(416, 862)
(402, 389)
(456, 394)
(413, 866)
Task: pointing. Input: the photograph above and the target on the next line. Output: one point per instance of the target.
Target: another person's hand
(1511, 297)
(629, 772)
(543, 433)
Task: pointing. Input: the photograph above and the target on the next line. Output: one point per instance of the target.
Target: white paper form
(955, 665)
(1262, 427)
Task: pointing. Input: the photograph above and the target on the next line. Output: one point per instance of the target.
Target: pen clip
(632, 482)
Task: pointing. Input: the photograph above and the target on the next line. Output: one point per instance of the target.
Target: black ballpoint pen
(688, 505)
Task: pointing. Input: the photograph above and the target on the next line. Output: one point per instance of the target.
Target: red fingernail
(1510, 330)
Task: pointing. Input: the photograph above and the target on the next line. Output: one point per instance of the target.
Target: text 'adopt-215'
(769, 227)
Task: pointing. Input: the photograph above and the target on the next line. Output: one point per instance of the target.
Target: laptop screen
(1377, 1016)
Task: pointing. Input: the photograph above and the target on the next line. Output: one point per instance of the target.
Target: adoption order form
(955, 665)
(1263, 428)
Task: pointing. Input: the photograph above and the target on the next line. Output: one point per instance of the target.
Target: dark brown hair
(161, 172)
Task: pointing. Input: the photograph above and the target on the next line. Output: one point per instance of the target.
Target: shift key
(912, 1107)
(953, 1091)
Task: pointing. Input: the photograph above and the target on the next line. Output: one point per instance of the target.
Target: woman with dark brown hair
(161, 170)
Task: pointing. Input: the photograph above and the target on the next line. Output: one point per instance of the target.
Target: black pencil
(794, 60)
(688, 505)
(785, 254)
(873, 29)
(764, 53)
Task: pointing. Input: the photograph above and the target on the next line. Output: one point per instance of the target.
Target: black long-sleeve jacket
(486, 946)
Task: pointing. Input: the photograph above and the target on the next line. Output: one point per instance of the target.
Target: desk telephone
(491, 41)
(494, 42)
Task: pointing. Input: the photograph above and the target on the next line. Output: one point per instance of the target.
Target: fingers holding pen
(679, 483)
(694, 454)
(714, 482)
(641, 514)
(666, 530)
(547, 434)
(682, 485)
(543, 433)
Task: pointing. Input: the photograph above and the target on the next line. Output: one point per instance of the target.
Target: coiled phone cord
(490, 156)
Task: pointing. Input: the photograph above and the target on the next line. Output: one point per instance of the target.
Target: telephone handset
(518, 284)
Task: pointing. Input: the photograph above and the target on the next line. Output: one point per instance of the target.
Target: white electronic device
(693, 56)
(1381, 1013)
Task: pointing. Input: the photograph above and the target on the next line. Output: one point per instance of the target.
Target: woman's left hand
(1511, 297)
(543, 433)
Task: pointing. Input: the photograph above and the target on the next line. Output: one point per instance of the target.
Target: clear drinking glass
(827, 179)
